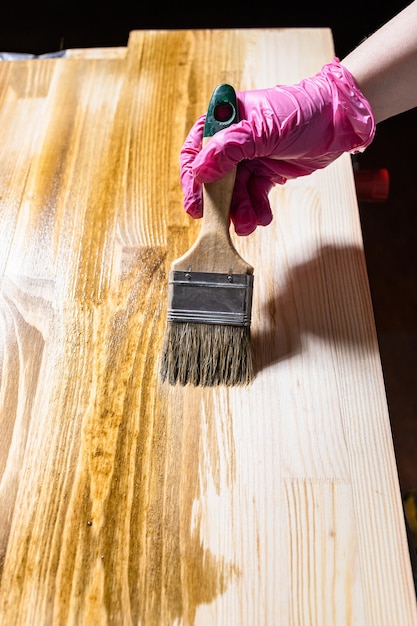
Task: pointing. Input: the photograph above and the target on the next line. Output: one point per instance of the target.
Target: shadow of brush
(327, 296)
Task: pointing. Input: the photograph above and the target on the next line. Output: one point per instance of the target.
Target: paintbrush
(207, 339)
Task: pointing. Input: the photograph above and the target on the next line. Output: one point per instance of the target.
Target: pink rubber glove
(284, 132)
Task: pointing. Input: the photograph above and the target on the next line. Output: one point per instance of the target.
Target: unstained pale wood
(125, 501)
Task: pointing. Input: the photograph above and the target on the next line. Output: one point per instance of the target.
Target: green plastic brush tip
(222, 110)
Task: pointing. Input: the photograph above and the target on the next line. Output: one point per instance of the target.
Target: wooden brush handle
(217, 198)
(213, 251)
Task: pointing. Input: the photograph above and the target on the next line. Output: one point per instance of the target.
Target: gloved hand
(284, 132)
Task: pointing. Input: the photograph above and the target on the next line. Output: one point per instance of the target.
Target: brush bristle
(206, 354)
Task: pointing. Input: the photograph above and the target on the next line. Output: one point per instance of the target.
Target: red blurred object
(372, 185)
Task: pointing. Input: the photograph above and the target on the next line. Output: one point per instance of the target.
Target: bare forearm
(385, 65)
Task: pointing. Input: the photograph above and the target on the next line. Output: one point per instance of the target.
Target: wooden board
(124, 501)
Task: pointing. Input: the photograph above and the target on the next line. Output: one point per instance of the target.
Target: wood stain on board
(119, 536)
(124, 535)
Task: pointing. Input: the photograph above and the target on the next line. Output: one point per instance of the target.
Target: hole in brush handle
(224, 112)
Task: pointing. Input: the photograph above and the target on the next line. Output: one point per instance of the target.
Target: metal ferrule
(210, 298)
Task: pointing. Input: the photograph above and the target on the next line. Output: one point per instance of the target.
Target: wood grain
(125, 501)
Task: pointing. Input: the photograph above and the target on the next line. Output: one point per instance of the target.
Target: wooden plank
(124, 501)
(96, 53)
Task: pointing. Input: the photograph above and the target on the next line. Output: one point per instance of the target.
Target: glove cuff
(351, 109)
